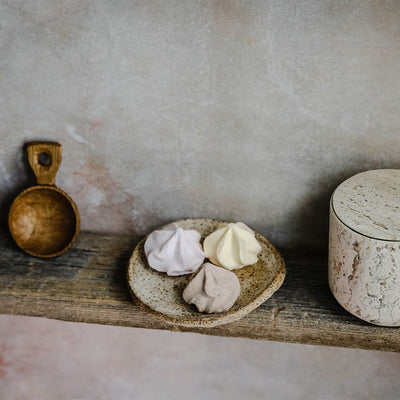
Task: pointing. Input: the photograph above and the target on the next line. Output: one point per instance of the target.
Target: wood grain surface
(88, 284)
(43, 220)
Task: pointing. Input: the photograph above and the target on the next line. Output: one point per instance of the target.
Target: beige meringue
(213, 289)
(232, 246)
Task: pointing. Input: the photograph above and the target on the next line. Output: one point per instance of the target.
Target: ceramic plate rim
(219, 318)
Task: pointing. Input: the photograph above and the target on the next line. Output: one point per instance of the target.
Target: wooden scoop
(43, 220)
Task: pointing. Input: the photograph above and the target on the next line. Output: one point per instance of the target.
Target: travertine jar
(364, 246)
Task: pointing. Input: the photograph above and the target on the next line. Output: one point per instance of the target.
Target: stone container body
(364, 246)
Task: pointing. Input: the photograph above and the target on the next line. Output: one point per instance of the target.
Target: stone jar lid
(369, 203)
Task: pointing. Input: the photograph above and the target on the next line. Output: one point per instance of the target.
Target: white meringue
(213, 289)
(174, 250)
(232, 246)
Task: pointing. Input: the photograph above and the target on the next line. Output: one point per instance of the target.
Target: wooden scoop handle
(44, 159)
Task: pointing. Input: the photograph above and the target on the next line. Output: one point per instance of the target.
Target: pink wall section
(47, 360)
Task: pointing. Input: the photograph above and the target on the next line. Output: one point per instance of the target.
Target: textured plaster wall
(239, 110)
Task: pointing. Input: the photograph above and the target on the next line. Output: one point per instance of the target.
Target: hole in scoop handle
(45, 174)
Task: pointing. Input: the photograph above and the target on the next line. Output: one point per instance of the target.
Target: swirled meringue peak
(232, 246)
(213, 289)
(174, 250)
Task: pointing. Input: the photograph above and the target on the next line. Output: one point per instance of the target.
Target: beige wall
(240, 110)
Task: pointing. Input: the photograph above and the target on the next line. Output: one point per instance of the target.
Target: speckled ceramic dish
(161, 295)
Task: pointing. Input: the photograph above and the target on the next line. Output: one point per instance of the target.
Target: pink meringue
(174, 250)
(213, 289)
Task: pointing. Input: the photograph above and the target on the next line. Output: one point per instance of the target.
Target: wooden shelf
(88, 284)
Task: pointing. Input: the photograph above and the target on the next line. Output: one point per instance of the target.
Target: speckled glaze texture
(364, 272)
(161, 295)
